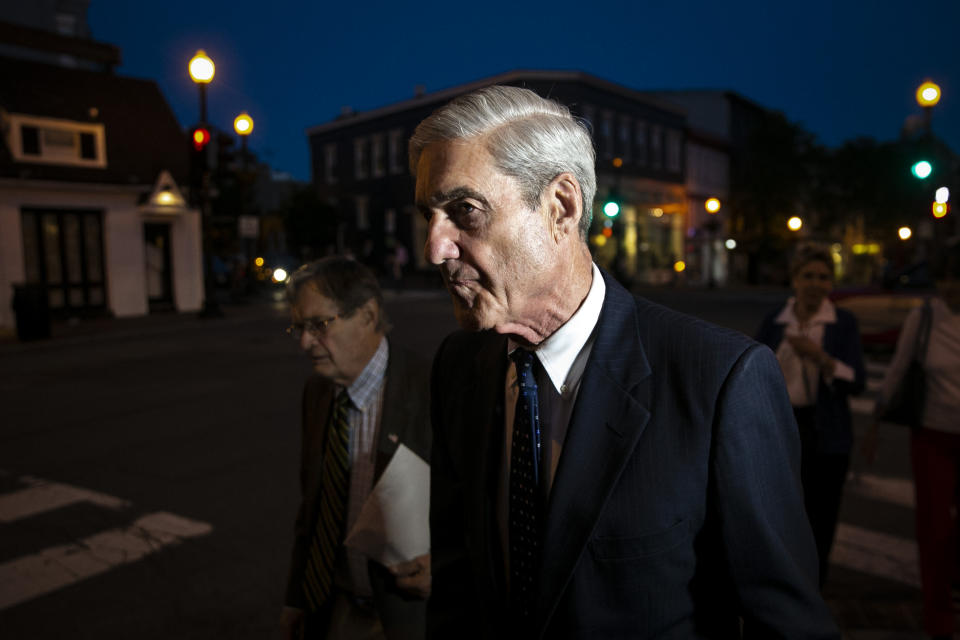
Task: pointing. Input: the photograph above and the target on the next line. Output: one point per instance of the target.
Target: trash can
(33, 315)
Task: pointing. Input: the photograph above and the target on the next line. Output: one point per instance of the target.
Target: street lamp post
(201, 70)
(712, 206)
(928, 95)
(243, 126)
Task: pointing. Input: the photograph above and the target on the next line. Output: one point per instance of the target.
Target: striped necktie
(328, 533)
(525, 498)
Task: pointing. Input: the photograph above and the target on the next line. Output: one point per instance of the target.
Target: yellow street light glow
(943, 194)
(258, 262)
(794, 223)
(618, 162)
(600, 240)
(928, 94)
(165, 197)
(939, 209)
(904, 233)
(712, 205)
(243, 124)
(201, 67)
(679, 266)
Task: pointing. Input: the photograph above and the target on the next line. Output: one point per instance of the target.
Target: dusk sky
(841, 68)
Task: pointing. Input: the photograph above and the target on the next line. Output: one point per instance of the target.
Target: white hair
(531, 139)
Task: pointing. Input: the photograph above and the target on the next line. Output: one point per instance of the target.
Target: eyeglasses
(314, 326)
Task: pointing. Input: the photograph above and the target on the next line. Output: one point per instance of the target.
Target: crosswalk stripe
(44, 496)
(877, 554)
(32, 576)
(899, 491)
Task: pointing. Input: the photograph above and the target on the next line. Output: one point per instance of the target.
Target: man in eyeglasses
(366, 398)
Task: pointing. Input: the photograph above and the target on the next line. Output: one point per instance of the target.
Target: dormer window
(54, 141)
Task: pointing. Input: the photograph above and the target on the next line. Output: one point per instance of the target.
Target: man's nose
(441, 241)
(306, 340)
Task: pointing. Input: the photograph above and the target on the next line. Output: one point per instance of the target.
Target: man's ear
(564, 205)
(370, 311)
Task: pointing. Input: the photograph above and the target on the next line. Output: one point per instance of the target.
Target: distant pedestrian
(366, 398)
(935, 446)
(818, 347)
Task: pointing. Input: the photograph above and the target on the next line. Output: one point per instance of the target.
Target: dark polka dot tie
(525, 499)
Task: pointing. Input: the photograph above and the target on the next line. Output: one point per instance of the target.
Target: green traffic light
(611, 209)
(922, 169)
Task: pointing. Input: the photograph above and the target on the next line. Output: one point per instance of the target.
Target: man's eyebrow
(457, 193)
(442, 197)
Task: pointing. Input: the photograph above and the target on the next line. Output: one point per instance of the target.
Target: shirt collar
(826, 314)
(365, 387)
(558, 352)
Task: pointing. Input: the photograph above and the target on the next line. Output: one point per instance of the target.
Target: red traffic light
(201, 137)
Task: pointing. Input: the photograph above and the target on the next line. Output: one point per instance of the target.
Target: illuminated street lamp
(794, 223)
(904, 233)
(201, 69)
(243, 124)
(712, 205)
(928, 94)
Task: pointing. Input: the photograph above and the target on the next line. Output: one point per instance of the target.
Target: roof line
(509, 76)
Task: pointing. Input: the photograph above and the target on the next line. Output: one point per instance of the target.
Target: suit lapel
(398, 406)
(611, 412)
(482, 447)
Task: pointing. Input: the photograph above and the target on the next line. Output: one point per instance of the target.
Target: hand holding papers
(393, 524)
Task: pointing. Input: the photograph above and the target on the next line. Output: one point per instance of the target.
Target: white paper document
(393, 524)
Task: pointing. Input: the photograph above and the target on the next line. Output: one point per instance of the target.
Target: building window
(359, 158)
(589, 117)
(53, 141)
(362, 204)
(640, 142)
(330, 163)
(376, 152)
(606, 134)
(656, 147)
(63, 250)
(624, 142)
(396, 152)
(66, 24)
(674, 150)
(390, 221)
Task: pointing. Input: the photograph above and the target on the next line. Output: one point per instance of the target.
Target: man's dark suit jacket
(404, 419)
(841, 340)
(676, 508)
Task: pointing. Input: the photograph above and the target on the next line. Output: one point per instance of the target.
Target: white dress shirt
(363, 416)
(562, 358)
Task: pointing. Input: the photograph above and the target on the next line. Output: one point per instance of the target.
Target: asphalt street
(148, 475)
